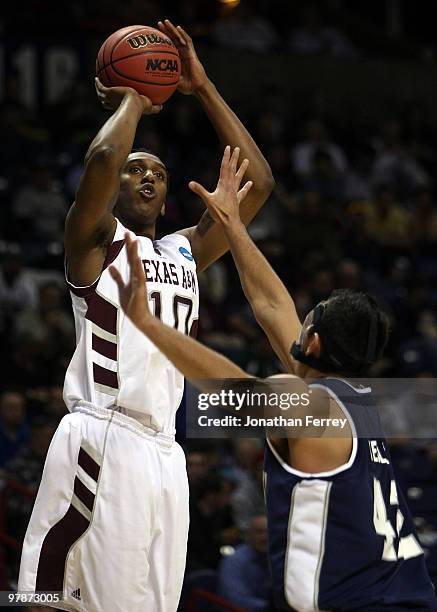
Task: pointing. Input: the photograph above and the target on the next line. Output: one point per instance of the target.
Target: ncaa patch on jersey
(183, 251)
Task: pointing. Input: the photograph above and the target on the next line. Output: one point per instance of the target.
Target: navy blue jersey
(344, 539)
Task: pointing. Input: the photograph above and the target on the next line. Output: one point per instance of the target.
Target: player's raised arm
(90, 225)
(272, 305)
(194, 360)
(208, 240)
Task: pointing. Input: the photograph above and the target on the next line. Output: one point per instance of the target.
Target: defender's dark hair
(347, 321)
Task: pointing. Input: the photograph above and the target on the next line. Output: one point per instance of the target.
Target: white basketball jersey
(114, 363)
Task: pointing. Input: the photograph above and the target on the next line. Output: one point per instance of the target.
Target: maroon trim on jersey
(84, 494)
(88, 464)
(102, 313)
(104, 347)
(106, 377)
(112, 253)
(82, 292)
(194, 328)
(155, 248)
(54, 550)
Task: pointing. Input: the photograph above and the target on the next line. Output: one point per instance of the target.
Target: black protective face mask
(333, 358)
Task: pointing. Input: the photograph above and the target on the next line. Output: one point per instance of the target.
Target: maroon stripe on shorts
(103, 376)
(102, 313)
(88, 464)
(84, 494)
(54, 550)
(104, 347)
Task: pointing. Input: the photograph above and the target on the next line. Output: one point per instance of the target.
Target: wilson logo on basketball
(163, 65)
(142, 40)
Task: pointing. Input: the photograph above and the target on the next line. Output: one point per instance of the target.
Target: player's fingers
(99, 86)
(199, 190)
(116, 276)
(130, 243)
(162, 27)
(244, 191)
(136, 265)
(97, 83)
(241, 171)
(186, 36)
(131, 248)
(234, 160)
(174, 32)
(155, 108)
(136, 268)
(224, 166)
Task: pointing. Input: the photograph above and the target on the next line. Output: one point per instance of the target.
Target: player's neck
(146, 230)
(313, 373)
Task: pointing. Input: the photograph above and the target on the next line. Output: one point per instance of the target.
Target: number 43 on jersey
(407, 546)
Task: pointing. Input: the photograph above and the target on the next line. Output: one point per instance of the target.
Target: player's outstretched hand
(223, 203)
(111, 98)
(193, 75)
(133, 294)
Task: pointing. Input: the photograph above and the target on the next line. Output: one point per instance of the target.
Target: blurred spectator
(247, 500)
(393, 162)
(209, 520)
(313, 37)
(198, 467)
(387, 222)
(26, 470)
(357, 183)
(349, 275)
(14, 430)
(47, 325)
(316, 140)
(419, 353)
(325, 178)
(17, 288)
(40, 206)
(242, 28)
(423, 222)
(244, 577)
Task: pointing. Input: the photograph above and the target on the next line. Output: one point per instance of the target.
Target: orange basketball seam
(104, 67)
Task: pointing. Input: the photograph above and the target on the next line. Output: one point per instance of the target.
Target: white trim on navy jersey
(306, 543)
(341, 468)
(346, 382)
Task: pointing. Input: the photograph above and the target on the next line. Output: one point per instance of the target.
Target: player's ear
(314, 347)
(163, 210)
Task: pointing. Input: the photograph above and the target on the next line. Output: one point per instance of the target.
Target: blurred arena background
(341, 98)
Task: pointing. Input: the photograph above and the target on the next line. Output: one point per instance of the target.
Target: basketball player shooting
(341, 536)
(110, 522)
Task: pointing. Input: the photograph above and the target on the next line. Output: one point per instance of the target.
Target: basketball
(142, 58)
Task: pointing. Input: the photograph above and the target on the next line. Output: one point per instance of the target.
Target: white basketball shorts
(110, 522)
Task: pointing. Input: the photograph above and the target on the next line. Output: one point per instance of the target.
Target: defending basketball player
(341, 536)
(110, 522)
